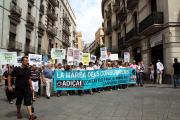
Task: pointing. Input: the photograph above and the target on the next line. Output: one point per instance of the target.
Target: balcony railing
(66, 30)
(123, 14)
(116, 24)
(152, 19)
(116, 6)
(29, 49)
(54, 3)
(131, 4)
(31, 2)
(41, 26)
(41, 52)
(52, 15)
(66, 41)
(15, 9)
(14, 46)
(121, 41)
(132, 33)
(30, 19)
(52, 31)
(108, 30)
(66, 19)
(108, 13)
(42, 9)
(115, 48)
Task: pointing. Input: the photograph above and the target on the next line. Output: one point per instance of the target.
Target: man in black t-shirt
(23, 87)
(175, 72)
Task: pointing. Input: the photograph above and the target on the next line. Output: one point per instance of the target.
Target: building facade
(36, 26)
(86, 48)
(99, 35)
(147, 29)
(79, 40)
(92, 47)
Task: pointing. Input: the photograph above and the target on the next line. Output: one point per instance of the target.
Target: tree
(97, 51)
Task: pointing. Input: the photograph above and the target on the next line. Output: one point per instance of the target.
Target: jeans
(90, 90)
(141, 78)
(137, 77)
(176, 79)
(59, 92)
(5, 88)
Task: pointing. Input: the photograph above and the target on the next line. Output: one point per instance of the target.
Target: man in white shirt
(97, 67)
(159, 71)
(79, 69)
(141, 69)
(90, 68)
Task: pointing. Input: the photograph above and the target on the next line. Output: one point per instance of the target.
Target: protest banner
(114, 56)
(58, 53)
(35, 59)
(80, 57)
(45, 59)
(8, 57)
(126, 57)
(70, 52)
(18, 61)
(81, 80)
(108, 55)
(93, 58)
(76, 54)
(103, 53)
(52, 61)
(85, 58)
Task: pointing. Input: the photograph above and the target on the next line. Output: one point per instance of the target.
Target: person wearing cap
(79, 69)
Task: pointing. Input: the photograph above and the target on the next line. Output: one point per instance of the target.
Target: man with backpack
(23, 88)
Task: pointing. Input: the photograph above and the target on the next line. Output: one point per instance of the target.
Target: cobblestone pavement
(148, 103)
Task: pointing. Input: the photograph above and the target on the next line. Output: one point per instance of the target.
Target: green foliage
(97, 51)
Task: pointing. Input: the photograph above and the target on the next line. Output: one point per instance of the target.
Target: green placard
(8, 57)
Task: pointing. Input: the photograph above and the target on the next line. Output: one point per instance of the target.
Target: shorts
(35, 86)
(152, 75)
(25, 94)
(1, 76)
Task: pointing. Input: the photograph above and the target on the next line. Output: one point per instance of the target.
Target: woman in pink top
(134, 66)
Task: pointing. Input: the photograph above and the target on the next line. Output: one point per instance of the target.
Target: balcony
(66, 30)
(115, 48)
(108, 13)
(74, 31)
(133, 36)
(52, 31)
(116, 6)
(116, 25)
(122, 43)
(52, 15)
(108, 30)
(41, 26)
(41, 52)
(65, 18)
(31, 2)
(29, 49)
(30, 19)
(42, 9)
(131, 4)
(15, 9)
(14, 46)
(123, 14)
(54, 3)
(66, 42)
(151, 24)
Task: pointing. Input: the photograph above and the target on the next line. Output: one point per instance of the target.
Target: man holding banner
(24, 87)
(87, 69)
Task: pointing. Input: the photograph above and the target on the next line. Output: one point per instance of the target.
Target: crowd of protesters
(30, 81)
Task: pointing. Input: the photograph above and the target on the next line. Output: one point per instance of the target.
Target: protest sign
(8, 57)
(18, 61)
(108, 55)
(60, 61)
(103, 53)
(45, 59)
(52, 61)
(93, 58)
(126, 57)
(114, 56)
(80, 57)
(58, 53)
(70, 52)
(76, 54)
(35, 59)
(85, 58)
(81, 80)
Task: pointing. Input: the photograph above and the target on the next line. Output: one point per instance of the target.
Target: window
(39, 49)
(29, 10)
(60, 46)
(110, 42)
(12, 38)
(109, 22)
(60, 20)
(56, 45)
(49, 47)
(76, 46)
(153, 5)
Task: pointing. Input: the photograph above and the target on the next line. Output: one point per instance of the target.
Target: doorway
(137, 53)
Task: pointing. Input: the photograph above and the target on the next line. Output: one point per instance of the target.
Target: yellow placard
(52, 61)
(85, 58)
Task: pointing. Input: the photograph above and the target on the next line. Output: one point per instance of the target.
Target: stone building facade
(147, 29)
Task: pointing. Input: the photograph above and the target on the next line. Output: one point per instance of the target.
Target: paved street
(148, 103)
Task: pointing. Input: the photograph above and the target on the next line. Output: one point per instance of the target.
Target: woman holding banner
(109, 67)
(87, 69)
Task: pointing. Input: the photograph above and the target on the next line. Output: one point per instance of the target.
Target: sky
(88, 17)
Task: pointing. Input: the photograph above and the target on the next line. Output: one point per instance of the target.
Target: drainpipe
(35, 26)
(2, 25)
